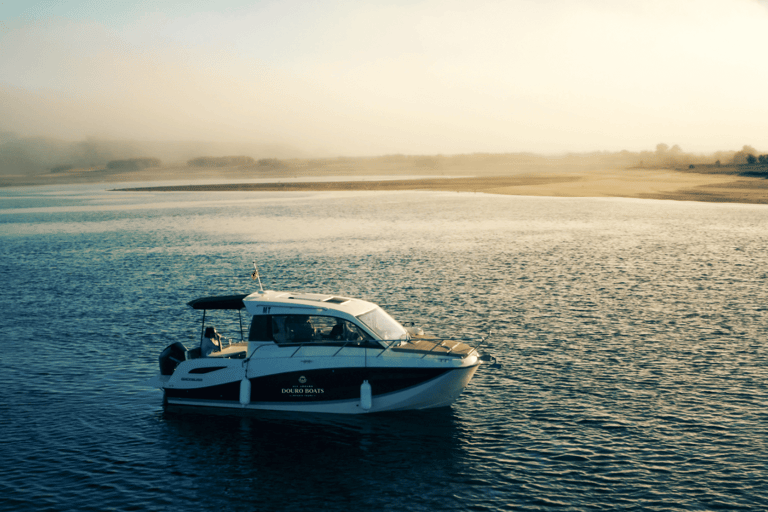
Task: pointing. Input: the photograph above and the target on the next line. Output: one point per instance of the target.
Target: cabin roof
(252, 302)
(307, 300)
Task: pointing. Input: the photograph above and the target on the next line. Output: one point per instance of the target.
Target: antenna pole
(255, 275)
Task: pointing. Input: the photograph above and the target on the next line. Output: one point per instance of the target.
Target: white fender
(366, 396)
(245, 391)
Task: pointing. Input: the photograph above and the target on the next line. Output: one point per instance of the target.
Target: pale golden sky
(369, 78)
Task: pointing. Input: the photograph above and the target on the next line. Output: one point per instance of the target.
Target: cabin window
(336, 329)
(386, 327)
(290, 329)
(261, 328)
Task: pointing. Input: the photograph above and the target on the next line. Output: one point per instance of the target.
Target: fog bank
(423, 77)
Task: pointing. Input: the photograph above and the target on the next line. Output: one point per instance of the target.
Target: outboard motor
(171, 357)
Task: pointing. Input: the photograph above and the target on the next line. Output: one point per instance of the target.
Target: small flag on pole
(255, 275)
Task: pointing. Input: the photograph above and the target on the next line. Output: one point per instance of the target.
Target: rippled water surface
(632, 336)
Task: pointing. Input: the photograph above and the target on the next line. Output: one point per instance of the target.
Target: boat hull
(334, 391)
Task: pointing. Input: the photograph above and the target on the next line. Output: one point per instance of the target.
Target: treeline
(220, 161)
(21, 155)
(749, 156)
(134, 163)
(30, 155)
(274, 163)
(752, 159)
(34, 155)
(227, 161)
(674, 156)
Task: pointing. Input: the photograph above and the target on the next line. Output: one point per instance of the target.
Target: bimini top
(220, 302)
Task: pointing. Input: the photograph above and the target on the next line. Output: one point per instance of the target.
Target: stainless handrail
(301, 345)
(392, 344)
(467, 341)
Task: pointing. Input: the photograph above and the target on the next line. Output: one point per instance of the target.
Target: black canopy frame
(220, 302)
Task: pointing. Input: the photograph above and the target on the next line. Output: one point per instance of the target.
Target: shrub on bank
(219, 161)
(270, 162)
(133, 163)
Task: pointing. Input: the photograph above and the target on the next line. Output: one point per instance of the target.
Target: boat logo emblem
(302, 379)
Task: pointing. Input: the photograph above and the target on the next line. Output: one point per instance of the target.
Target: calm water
(632, 336)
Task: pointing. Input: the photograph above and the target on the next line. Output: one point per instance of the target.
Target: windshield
(385, 327)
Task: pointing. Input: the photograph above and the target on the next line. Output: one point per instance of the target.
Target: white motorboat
(316, 353)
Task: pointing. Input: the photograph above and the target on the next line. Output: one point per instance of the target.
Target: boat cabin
(288, 319)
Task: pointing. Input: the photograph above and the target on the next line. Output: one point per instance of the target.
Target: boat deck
(233, 351)
(427, 346)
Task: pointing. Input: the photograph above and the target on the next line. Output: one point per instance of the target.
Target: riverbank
(533, 176)
(629, 183)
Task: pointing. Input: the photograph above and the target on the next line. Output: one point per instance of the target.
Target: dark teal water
(632, 336)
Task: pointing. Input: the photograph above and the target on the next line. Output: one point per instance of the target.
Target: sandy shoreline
(471, 174)
(628, 183)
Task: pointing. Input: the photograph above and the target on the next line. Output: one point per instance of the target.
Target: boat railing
(301, 345)
(448, 343)
(474, 343)
(355, 343)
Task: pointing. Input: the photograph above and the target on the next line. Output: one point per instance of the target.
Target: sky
(360, 78)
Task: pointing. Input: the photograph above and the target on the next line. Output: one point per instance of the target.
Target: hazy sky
(368, 78)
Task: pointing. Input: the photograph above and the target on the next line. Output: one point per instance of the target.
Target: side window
(278, 329)
(328, 328)
(342, 330)
(261, 328)
(354, 333)
(324, 327)
(306, 329)
(299, 329)
(293, 329)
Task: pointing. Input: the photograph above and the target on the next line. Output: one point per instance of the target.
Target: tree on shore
(270, 162)
(134, 163)
(220, 161)
(743, 157)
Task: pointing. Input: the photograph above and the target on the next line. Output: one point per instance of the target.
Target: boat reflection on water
(314, 457)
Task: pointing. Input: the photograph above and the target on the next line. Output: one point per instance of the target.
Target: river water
(632, 335)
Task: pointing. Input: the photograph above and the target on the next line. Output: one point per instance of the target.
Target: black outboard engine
(171, 357)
